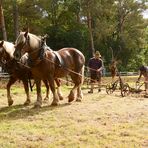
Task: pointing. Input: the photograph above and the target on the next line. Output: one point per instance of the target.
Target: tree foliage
(85, 24)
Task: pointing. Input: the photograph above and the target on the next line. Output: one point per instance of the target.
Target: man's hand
(98, 70)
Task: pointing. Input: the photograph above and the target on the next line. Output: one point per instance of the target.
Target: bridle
(38, 52)
(26, 43)
(22, 46)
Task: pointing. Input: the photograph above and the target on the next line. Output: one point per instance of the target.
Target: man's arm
(139, 77)
(101, 68)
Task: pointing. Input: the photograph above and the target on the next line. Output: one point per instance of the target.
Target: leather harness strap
(61, 62)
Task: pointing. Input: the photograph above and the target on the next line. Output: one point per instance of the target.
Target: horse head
(6, 51)
(1, 47)
(26, 42)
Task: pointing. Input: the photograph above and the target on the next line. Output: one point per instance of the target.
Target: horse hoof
(10, 102)
(61, 98)
(79, 100)
(54, 104)
(26, 103)
(46, 100)
(70, 99)
(37, 105)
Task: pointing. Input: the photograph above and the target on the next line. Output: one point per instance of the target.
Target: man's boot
(91, 91)
(146, 90)
(99, 87)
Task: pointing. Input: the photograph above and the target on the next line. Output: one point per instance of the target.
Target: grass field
(99, 121)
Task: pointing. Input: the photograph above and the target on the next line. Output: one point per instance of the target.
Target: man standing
(95, 66)
(144, 72)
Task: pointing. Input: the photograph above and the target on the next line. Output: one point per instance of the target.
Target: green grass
(100, 120)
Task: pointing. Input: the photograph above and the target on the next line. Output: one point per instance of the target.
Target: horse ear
(26, 34)
(1, 43)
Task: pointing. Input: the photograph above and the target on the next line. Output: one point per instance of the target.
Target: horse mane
(21, 37)
(35, 36)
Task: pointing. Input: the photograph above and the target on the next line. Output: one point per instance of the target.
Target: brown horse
(53, 65)
(17, 71)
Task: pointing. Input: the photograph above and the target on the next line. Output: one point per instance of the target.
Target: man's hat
(98, 53)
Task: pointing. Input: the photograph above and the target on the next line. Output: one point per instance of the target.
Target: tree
(2, 22)
(130, 30)
(15, 18)
(87, 6)
(85, 24)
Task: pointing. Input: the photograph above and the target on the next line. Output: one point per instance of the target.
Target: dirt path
(100, 120)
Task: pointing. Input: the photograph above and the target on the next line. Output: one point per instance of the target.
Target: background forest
(110, 26)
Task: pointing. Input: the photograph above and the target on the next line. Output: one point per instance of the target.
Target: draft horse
(17, 71)
(54, 64)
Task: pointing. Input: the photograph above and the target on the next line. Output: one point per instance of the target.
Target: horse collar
(60, 60)
(33, 63)
(42, 51)
(38, 59)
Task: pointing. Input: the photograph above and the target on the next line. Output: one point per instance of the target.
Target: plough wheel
(125, 91)
(109, 89)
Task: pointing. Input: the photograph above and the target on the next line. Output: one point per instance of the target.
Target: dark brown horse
(16, 70)
(53, 65)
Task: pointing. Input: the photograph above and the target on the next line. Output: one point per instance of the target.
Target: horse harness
(42, 51)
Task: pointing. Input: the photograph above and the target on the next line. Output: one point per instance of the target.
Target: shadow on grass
(21, 111)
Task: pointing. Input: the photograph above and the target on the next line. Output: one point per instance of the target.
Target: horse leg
(72, 94)
(60, 93)
(38, 103)
(26, 87)
(78, 80)
(58, 89)
(79, 90)
(99, 82)
(79, 94)
(12, 80)
(47, 90)
(55, 101)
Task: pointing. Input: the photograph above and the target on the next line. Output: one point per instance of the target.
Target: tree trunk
(16, 19)
(89, 22)
(2, 22)
(54, 12)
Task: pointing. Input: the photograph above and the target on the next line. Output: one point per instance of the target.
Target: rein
(40, 55)
(40, 59)
(61, 67)
(54, 64)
